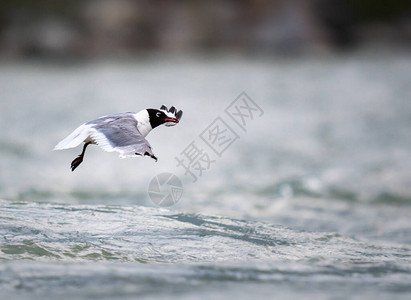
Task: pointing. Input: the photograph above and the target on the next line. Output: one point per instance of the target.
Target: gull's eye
(158, 115)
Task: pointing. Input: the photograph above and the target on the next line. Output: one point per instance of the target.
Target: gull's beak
(173, 120)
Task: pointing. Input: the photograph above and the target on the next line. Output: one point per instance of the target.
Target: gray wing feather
(119, 132)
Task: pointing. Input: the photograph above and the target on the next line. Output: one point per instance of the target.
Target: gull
(121, 132)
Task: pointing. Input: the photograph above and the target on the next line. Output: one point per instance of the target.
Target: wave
(43, 231)
(100, 251)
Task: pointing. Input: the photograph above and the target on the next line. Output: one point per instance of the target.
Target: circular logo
(165, 189)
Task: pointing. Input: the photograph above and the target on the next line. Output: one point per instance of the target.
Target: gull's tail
(75, 138)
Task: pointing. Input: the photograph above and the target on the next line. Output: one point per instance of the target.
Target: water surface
(312, 201)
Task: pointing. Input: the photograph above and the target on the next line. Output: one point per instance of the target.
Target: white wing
(116, 132)
(78, 136)
(120, 133)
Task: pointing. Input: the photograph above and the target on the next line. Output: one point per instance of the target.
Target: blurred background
(330, 158)
(89, 29)
(331, 76)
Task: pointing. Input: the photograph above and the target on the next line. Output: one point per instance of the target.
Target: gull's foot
(76, 162)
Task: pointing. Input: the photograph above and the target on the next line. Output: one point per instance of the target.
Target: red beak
(174, 120)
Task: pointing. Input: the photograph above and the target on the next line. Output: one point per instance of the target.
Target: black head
(158, 117)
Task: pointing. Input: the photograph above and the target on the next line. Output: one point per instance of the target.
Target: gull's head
(168, 117)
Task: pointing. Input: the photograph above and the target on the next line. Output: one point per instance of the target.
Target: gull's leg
(78, 160)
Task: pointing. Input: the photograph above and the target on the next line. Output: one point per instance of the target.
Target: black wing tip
(148, 154)
(179, 114)
(173, 110)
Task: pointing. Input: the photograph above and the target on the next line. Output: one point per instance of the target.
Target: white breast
(143, 122)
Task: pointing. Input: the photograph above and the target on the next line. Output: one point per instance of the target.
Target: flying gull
(121, 132)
